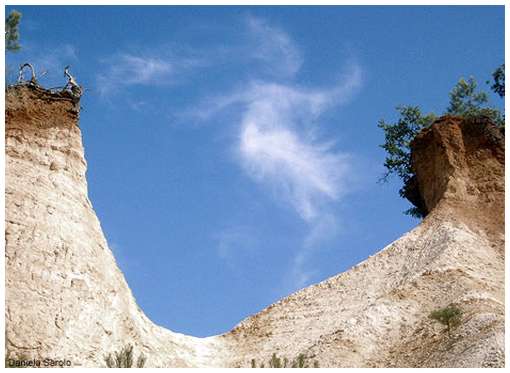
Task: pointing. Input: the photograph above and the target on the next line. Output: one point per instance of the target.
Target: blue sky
(233, 152)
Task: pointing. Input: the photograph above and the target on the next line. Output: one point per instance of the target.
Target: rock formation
(67, 299)
(65, 295)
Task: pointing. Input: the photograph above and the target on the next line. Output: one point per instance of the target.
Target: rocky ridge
(67, 298)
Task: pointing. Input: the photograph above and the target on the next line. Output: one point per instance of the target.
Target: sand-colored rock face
(65, 296)
(460, 166)
(461, 161)
(67, 299)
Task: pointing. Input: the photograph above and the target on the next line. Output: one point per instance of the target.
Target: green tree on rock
(465, 100)
(398, 137)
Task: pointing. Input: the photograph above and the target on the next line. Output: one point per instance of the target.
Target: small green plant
(300, 361)
(275, 362)
(124, 359)
(449, 316)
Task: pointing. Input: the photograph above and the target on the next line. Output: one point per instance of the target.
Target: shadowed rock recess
(67, 299)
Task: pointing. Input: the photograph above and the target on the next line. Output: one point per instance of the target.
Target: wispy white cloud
(141, 70)
(301, 172)
(128, 69)
(264, 47)
(279, 137)
(273, 47)
(151, 67)
(278, 145)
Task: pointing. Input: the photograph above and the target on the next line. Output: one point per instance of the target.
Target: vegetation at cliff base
(301, 361)
(124, 359)
(466, 100)
(449, 316)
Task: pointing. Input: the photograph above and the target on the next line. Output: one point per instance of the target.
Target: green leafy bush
(449, 316)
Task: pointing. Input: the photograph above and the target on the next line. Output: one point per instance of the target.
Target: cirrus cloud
(273, 47)
(278, 145)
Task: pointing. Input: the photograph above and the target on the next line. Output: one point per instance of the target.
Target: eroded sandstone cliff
(66, 297)
(376, 314)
